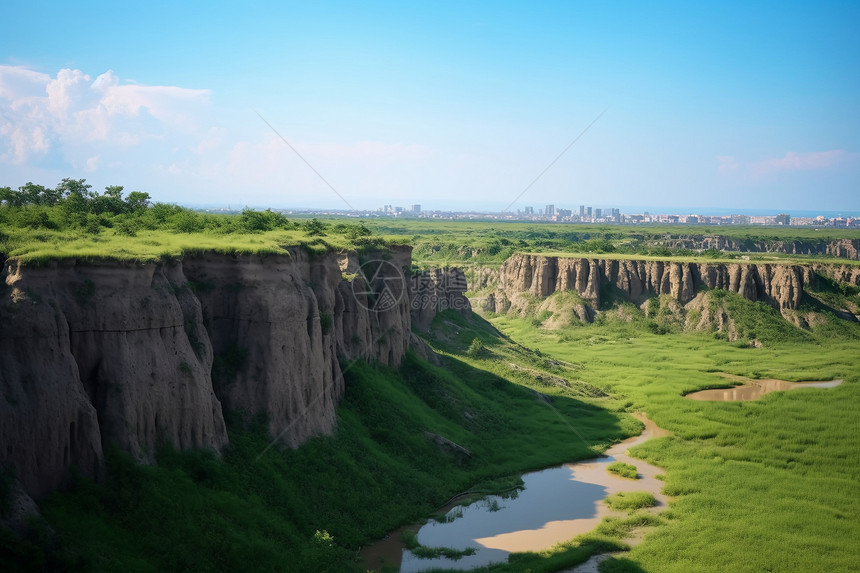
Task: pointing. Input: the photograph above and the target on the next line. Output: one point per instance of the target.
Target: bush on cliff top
(72, 220)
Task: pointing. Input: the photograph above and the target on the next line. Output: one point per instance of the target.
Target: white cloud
(173, 138)
(40, 114)
(791, 162)
(17, 83)
(805, 161)
(727, 163)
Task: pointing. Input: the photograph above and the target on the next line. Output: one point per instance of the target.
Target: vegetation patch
(73, 220)
(326, 322)
(630, 500)
(622, 469)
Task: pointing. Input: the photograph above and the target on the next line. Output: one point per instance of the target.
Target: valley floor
(765, 485)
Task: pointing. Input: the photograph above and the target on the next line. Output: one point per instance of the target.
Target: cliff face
(845, 249)
(843, 273)
(100, 353)
(94, 353)
(779, 285)
(436, 290)
(841, 248)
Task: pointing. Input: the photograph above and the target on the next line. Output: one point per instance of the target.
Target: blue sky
(731, 105)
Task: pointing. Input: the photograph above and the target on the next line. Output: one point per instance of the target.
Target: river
(555, 504)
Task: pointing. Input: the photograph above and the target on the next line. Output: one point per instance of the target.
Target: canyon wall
(94, 353)
(780, 285)
(840, 248)
(436, 290)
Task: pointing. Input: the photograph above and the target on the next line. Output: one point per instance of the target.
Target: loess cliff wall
(840, 248)
(94, 353)
(780, 285)
(436, 290)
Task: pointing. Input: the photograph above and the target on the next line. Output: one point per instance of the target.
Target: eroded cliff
(524, 277)
(98, 352)
(840, 248)
(436, 290)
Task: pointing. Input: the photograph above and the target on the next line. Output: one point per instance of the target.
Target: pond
(555, 504)
(755, 389)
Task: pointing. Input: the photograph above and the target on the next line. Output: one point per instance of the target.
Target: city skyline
(713, 105)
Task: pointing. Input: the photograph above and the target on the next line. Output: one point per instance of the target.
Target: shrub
(476, 348)
(630, 500)
(623, 470)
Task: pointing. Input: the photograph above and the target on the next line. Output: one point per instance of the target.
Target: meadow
(490, 242)
(766, 485)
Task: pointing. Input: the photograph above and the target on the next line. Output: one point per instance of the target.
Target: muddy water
(555, 505)
(755, 389)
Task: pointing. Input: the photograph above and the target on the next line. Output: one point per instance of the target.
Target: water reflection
(555, 505)
(549, 496)
(755, 389)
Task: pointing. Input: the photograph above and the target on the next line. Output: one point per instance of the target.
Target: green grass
(88, 229)
(244, 512)
(490, 242)
(630, 500)
(624, 470)
(772, 484)
(150, 246)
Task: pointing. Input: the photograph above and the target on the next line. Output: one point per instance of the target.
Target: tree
(68, 187)
(137, 201)
(77, 197)
(315, 227)
(6, 194)
(34, 194)
(262, 220)
(108, 202)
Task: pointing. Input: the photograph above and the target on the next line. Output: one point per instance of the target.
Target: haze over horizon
(717, 105)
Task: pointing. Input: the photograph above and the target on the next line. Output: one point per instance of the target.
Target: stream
(555, 504)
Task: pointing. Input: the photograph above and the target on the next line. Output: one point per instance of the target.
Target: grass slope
(311, 508)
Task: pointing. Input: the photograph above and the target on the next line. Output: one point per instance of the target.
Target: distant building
(415, 209)
(550, 210)
(588, 212)
(783, 219)
(582, 211)
(530, 211)
(564, 212)
(598, 213)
